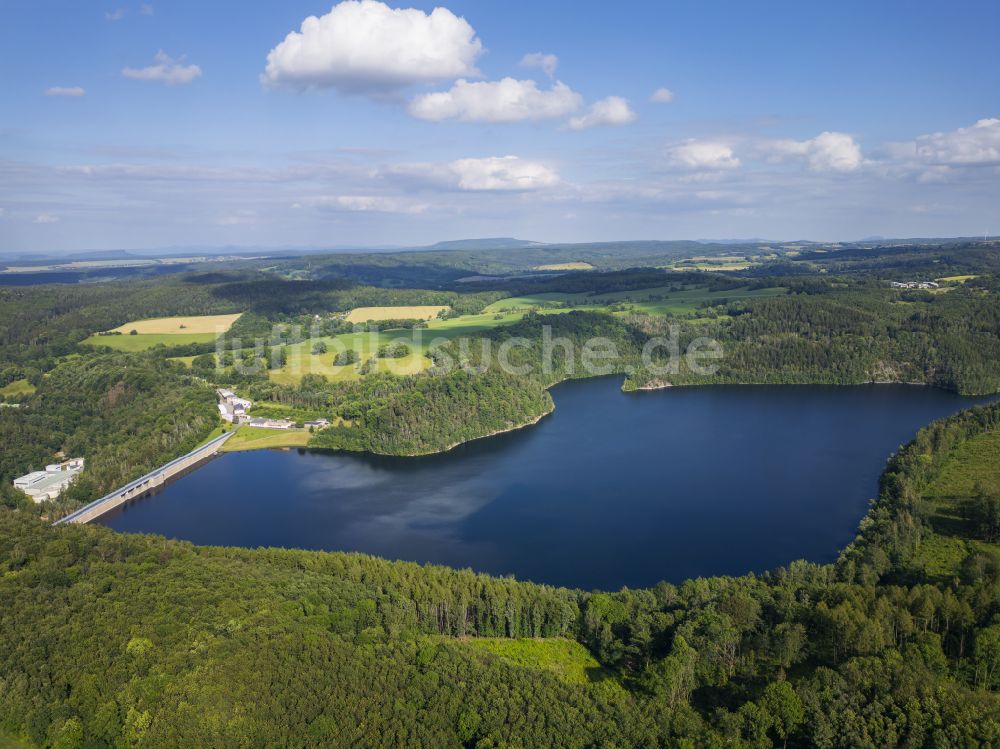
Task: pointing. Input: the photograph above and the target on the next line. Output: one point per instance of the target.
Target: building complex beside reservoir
(271, 423)
(50, 483)
(232, 408)
(235, 410)
(915, 284)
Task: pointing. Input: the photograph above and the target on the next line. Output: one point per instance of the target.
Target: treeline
(904, 262)
(281, 300)
(445, 268)
(950, 340)
(606, 282)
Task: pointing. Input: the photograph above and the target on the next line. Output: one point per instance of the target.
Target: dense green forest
(852, 336)
(126, 414)
(112, 640)
(134, 640)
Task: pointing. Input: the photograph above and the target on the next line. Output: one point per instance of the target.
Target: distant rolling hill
(487, 243)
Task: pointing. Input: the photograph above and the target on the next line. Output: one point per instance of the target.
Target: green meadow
(567, 659)
(17, 387)
(301, 360)
(252, 438)
(144, 341)
(976, 463)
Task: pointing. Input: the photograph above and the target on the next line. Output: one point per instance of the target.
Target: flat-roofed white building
(272, 423)
(45, 485)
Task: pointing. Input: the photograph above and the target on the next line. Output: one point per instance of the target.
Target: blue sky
(131, 125)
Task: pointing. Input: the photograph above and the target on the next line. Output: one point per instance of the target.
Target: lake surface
(610, 490)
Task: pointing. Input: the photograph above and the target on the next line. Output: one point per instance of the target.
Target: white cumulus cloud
(64, 91)
(547, 62)
(703, 155)
(507, 100)
(46, 218)
(366, 47)
(503, 173)
(827, 152)
(164, 70)
(966, 146)
(662, 96)
(614, 110)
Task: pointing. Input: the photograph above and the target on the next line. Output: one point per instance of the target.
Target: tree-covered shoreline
(823, 329)
(129, 639)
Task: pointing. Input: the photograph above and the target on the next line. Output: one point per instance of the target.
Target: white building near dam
(42, 486)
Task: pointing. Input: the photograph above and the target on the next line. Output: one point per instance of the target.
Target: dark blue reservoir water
(610, 490)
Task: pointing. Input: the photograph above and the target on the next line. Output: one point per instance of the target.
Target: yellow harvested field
(180, 325)
(565, 266)
(369, 314)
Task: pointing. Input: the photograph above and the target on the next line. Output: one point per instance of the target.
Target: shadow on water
(609, 490)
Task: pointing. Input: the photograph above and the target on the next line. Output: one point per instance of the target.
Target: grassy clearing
(179, 325)
(975, 462)
(133, 343)
(940, 556)
(187, 361)
(568, 660)
(978, 460)
(370, 314)
(252, 438)
(956, 279)
(17, 387)
(565, 266)
(301, 360)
